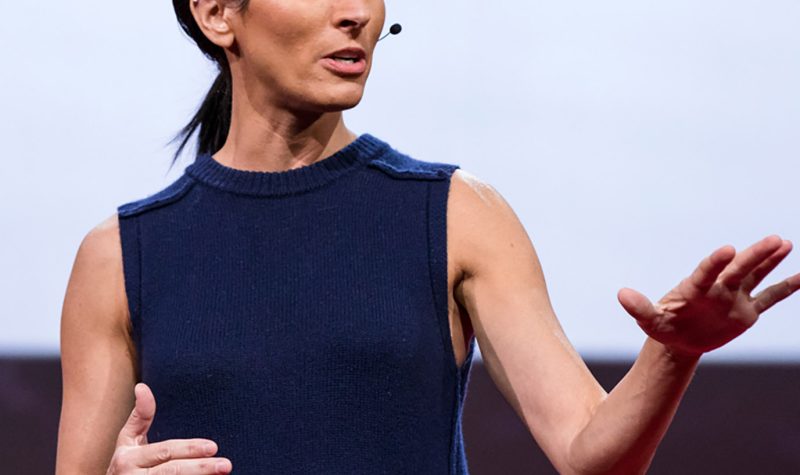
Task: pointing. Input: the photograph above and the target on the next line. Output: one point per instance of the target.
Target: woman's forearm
(627, 426)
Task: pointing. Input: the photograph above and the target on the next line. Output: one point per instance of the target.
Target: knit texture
(299, 318)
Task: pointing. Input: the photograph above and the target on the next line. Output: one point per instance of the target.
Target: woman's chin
(333, 98)
(339, 106)
(342, 101)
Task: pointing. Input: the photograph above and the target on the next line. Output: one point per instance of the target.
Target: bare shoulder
(482, 222)
(104, 237)
(97, 276)
(468, 189)
(101, 242)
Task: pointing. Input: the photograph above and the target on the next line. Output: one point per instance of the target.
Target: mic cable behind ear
(393, 30)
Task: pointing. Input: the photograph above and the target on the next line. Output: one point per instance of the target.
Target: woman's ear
(212, 16)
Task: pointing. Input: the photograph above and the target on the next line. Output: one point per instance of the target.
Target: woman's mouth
(347, 62)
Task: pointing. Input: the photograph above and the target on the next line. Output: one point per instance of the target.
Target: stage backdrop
(632, 138)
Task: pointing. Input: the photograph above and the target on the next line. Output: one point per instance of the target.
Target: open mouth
(348, 55)
(347, 61)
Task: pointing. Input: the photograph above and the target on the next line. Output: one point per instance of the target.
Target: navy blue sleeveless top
(300, 318)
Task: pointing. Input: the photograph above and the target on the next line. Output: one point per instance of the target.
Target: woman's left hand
(713, 305)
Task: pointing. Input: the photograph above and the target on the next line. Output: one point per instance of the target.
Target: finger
(775, 293)
(174, 449)
(637, 305)
(759, 273)
(709, 268)
(747, 260)
(134, 432)
(209, 466)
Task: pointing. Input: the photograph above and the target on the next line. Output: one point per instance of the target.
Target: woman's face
(295, 52)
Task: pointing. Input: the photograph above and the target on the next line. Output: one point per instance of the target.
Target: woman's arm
(580, 427)
(646, 399)
(97, 357)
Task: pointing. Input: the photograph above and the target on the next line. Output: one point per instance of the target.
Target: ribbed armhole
(438, 192)
(132, 270)
(437, 261)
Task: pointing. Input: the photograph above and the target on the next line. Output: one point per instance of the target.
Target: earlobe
(211, 17)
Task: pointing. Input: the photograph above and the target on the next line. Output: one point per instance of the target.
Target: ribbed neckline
(362, 150)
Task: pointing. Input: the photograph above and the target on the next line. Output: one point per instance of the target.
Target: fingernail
(210, 448)
(221, 467)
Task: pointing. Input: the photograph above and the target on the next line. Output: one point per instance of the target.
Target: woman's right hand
(133, 455)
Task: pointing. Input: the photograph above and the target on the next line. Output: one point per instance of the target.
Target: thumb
(637, 305)
(134, 432)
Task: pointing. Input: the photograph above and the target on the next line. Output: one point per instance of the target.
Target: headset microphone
(393, 30)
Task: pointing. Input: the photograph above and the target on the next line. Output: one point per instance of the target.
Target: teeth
(347, 60)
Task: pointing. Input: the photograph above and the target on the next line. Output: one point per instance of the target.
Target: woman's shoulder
(171, 193)
(96, 289)
(403, 166)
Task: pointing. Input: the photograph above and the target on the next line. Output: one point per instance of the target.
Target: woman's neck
(281, 140)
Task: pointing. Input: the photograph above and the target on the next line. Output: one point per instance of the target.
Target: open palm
(713, 305)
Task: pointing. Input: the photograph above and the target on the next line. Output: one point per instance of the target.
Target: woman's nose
(352, 15)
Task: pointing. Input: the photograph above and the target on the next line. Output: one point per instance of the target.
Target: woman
(306, 300)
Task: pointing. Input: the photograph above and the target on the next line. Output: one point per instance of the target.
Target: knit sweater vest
(300, 318)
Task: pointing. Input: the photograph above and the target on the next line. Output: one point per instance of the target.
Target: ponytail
(213, 117)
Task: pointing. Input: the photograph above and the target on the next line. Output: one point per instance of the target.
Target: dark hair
(213, 117)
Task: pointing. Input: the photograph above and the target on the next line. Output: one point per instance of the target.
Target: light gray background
(631, 138)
